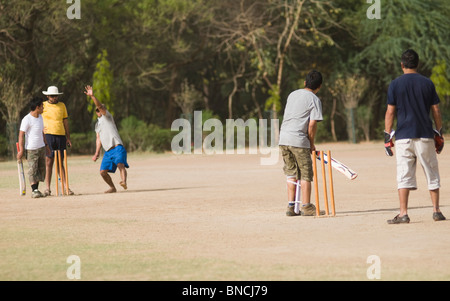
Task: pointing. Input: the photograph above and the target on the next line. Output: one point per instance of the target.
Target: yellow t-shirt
(53, 115)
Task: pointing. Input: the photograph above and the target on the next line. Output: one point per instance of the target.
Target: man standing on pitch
(410, 99)
(108, 136)
(56, 129)
(302, 113)
(33, 145)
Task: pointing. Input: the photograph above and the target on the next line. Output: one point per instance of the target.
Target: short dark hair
(313, 80)
(410, 59)
(35, 102)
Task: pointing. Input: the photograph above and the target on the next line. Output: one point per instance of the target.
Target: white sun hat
(52, 90)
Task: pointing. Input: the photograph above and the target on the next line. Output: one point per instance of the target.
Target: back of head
(410, 59)
(313, 80)
(35, 102)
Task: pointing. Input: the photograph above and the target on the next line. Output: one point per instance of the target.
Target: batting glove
(438, 141)
(388, 144)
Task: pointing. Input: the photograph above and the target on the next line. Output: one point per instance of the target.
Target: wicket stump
(59, 165)
(324, 183)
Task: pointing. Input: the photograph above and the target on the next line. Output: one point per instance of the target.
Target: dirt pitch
(222, 217)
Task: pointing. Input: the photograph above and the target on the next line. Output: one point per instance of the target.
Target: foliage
(417, 24)
(102, 84)
(138, 136)
(240, 57)
(187, 98)
(274, 101)
(3, 146)
(440, 80)
(83, 143)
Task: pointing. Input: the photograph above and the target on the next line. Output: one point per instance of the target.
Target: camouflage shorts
(36, 165)
(297, 162)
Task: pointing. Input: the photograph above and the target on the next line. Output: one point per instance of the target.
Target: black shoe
(399, 219)
(438, 216)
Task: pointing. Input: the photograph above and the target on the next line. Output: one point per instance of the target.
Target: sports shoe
(47, 192)
(310, 210)
(438, 216)
(290, 211)
(36, 194)
(399, 219)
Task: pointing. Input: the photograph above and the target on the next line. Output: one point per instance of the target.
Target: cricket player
(115, 155)
(302, 113)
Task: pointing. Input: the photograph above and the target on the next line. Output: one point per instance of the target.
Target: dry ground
(222, 217)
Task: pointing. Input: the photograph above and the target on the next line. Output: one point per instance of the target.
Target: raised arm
(90, 92)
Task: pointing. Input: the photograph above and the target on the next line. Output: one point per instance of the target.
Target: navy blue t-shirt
(413, 95)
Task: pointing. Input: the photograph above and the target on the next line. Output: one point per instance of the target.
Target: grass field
(221, 218)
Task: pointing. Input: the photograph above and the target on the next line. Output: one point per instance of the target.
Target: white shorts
(408, 151)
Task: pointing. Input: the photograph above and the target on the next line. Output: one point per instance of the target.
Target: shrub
(83, 143)
(138, 136)
(3, 146)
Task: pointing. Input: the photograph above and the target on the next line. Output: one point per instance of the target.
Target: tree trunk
(332, 123)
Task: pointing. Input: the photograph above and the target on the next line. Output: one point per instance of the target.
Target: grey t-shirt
(106, 128)
(301, 107)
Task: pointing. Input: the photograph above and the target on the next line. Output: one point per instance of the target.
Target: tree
(417, 24)
(269, 29)
(187, 98)
(13, 99)
(102, 84)
(442, 84)
(349, 90)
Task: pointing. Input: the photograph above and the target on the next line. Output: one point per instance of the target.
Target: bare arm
(47, 148)
(66, 128)
(436, 112)
(389, 118)
(21, 150)
(312, 129)
(89, 92)
(98, 146)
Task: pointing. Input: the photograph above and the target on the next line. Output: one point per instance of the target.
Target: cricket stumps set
(321, 156)
(60, 168)
(326, 158)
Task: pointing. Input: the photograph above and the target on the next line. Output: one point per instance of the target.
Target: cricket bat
(343, 169)
(23, 189)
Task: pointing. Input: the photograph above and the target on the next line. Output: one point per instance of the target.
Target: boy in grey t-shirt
(302, 113)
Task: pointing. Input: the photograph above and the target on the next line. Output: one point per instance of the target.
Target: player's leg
(290, 170)
(107, 167)
(123, 175)
(107, 178)
(49, 161)
(426, 154)
(120, 155)
(406, 177)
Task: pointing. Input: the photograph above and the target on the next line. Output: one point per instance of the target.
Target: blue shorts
(113, 157)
